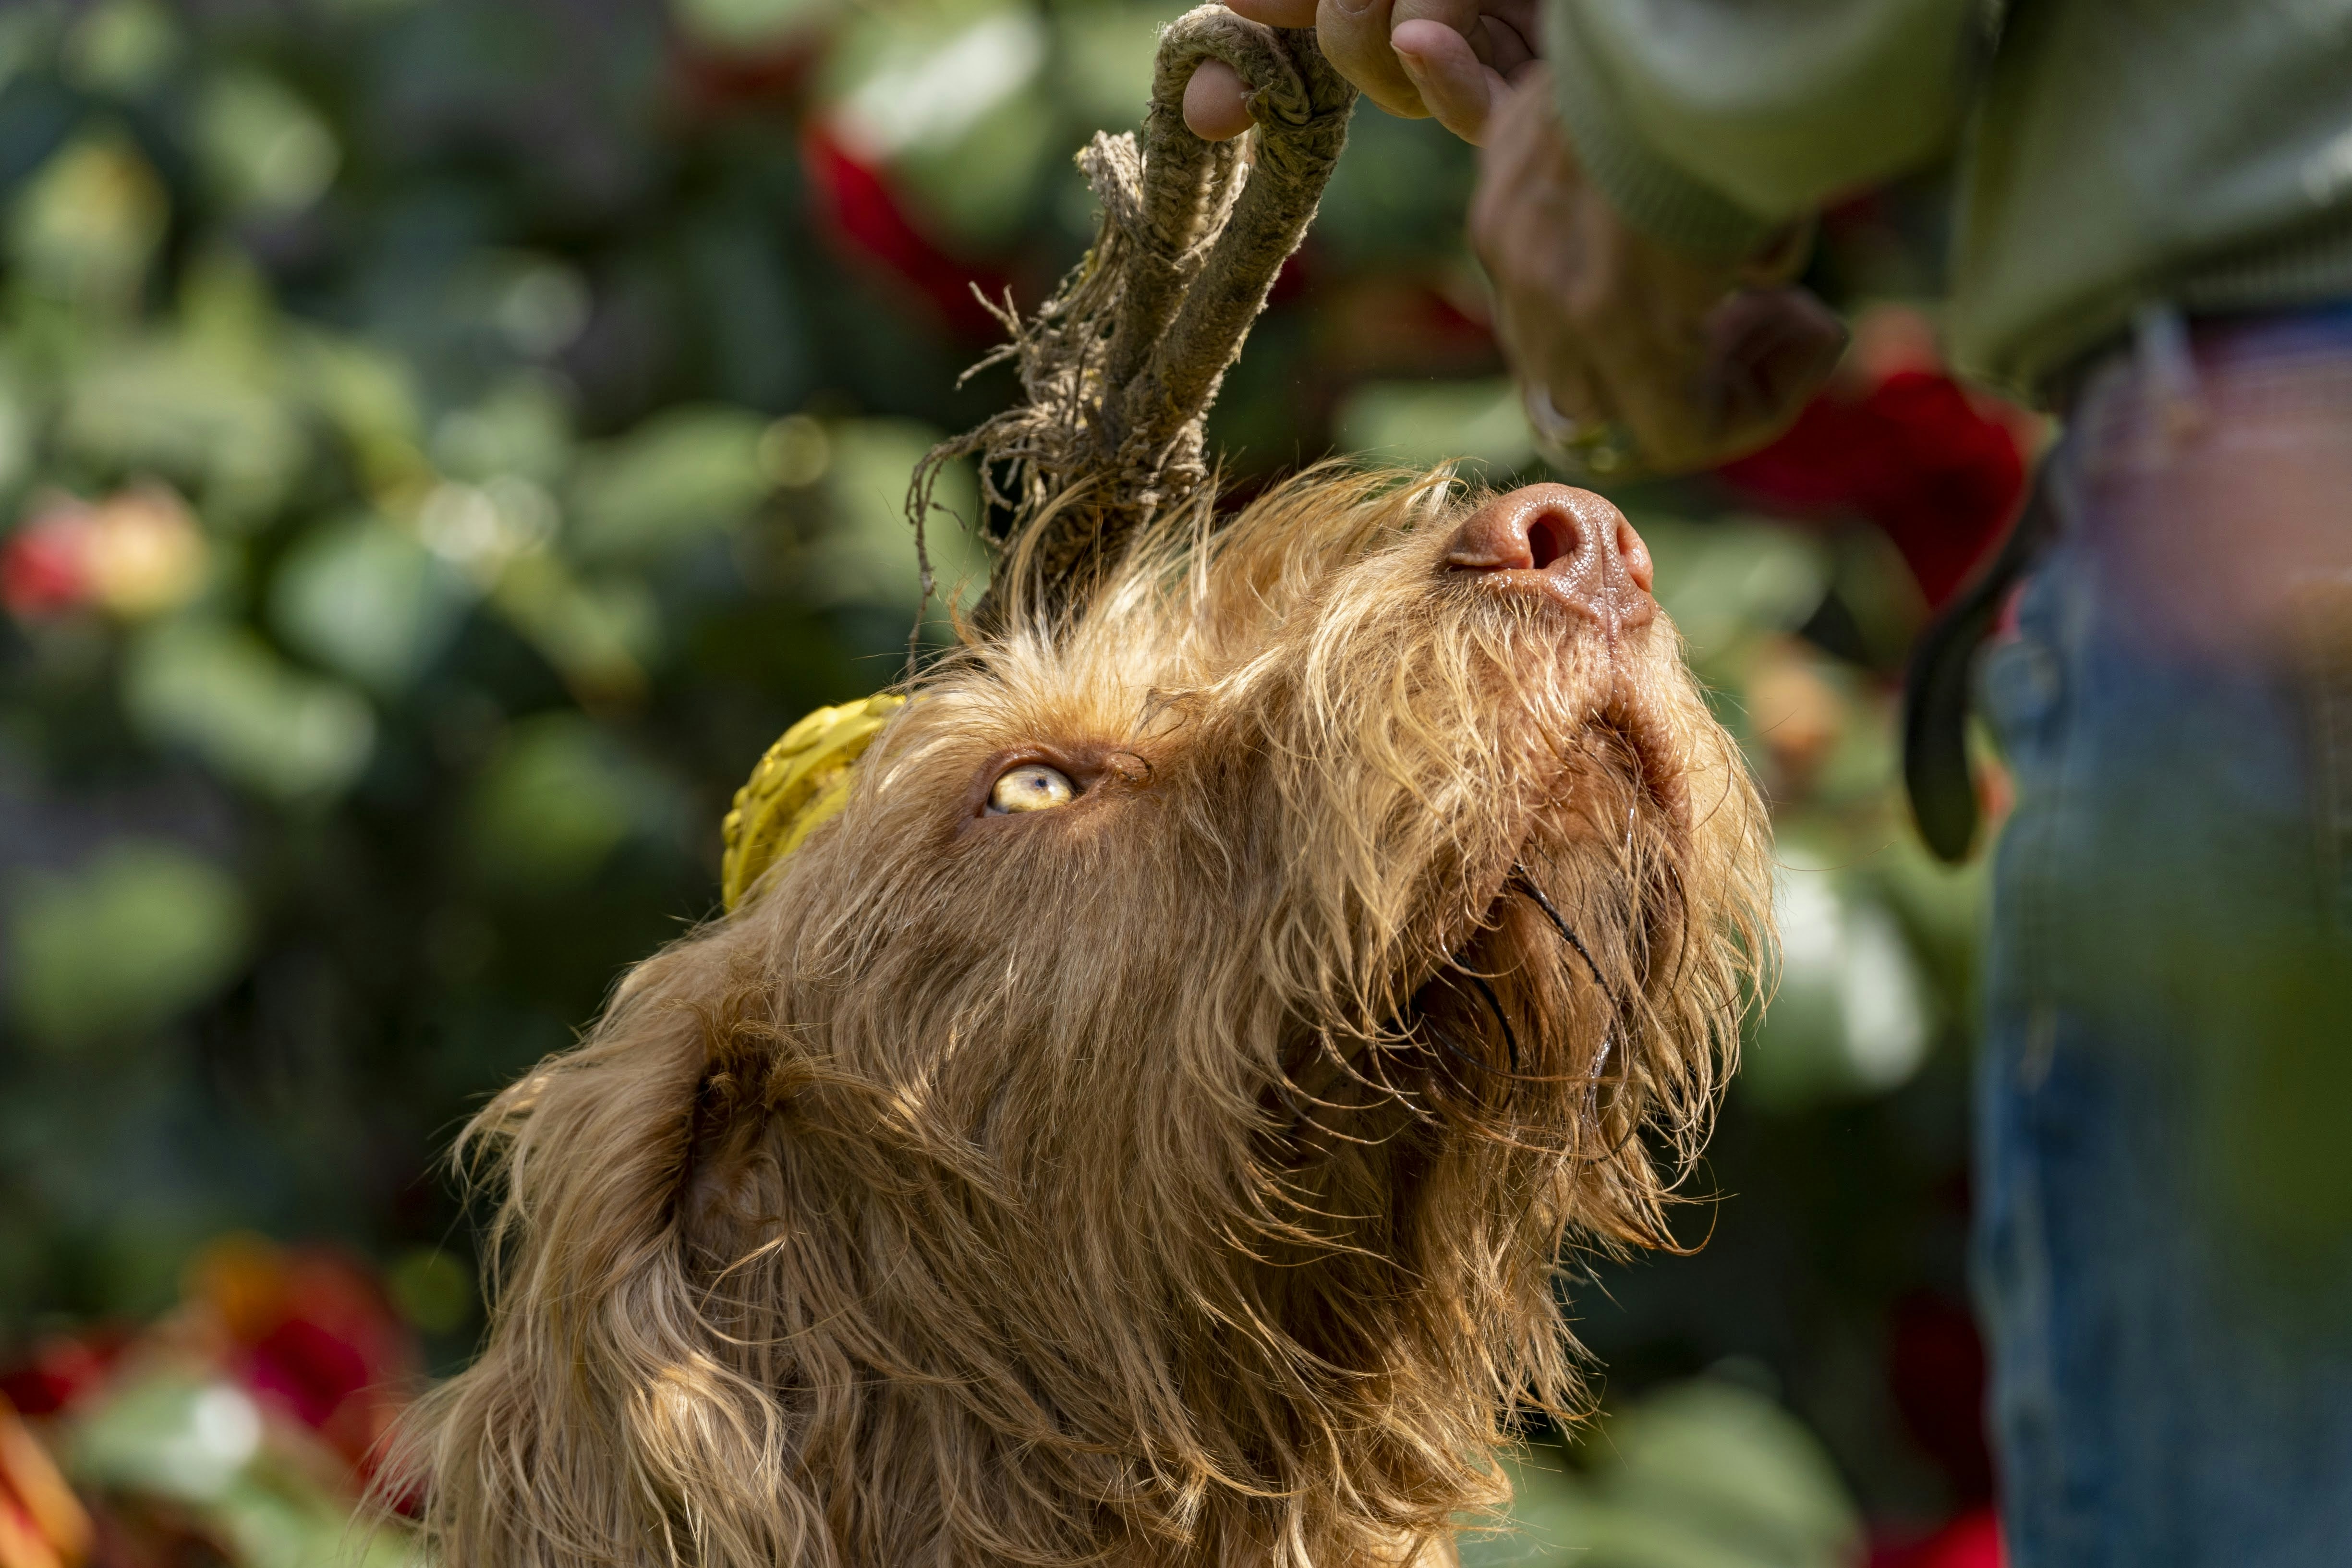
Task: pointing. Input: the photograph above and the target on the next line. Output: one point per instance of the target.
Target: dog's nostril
(1576, 540)
(1550, 537)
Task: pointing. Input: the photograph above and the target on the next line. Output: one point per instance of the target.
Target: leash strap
(1936, 687)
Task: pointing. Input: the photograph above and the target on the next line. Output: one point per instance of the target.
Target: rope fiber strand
(1118, 369)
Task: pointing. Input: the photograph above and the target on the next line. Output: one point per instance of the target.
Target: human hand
(1633, 355)
(1451, 59)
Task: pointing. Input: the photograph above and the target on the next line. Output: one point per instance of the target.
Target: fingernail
(1411, 64)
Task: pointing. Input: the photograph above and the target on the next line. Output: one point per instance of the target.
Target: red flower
(1941, 473)
(313, 1336)
(134, 553)
(1972, 1541)
(61, 1370)
(866, 220)
(44, 565)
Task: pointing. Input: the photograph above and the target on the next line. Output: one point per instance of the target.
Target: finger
(1524, 19)
(1456, 85)
(1508, 50)
(1276, 13)
(1354, 36)
(1462, 17)
(1522, 231)
(1768, 351)
(1649, 353)
(1523, 226)
(1514, 165)
(1556, 384)
(1570, 285)
(1213, 103)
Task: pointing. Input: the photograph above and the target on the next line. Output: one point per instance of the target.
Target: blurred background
(443, 442)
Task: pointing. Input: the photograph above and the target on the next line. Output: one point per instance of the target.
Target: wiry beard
(1522, 1011)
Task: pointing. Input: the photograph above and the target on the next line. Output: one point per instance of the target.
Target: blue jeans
(2164, 1230)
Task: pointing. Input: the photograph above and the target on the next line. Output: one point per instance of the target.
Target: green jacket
(2111, 153)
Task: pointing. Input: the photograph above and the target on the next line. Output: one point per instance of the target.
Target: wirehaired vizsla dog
(1140, 1125)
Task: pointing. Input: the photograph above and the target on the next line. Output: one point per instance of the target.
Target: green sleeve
(1710, 123)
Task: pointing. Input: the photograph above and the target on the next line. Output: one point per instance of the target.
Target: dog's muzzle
(1569, 545)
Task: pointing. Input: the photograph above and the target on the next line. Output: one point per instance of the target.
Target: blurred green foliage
(139, 934)
(199, 1443)
(441, 453)
(1705, 1473)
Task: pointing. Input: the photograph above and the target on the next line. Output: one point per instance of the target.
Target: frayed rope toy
(1118, 369)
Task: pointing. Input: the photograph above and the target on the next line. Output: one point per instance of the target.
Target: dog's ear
(617, 1414)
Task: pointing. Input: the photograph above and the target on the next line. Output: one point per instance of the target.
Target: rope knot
(1117, 370)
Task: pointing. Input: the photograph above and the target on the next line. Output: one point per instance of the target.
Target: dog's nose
(1582, 548)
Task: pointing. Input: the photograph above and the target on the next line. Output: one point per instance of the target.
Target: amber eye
(1032, 786)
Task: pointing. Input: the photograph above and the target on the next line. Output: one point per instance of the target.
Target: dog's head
(1142, 1125)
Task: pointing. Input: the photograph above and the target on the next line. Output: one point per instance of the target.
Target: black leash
(1937, 684)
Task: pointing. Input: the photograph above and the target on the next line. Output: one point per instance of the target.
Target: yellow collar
(803, 780)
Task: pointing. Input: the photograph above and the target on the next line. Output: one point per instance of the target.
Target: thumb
(1456, 86)
(1216, 108)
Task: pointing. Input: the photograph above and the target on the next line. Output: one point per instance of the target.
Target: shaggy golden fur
(1176, 1177)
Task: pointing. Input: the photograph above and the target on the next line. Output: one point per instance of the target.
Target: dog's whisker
(1495, 1005)
(1522, 882)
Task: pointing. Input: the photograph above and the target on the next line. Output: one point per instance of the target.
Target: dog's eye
(1032, 786)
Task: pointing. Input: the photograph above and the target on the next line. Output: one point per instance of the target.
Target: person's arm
(1770, 106)
(1711, 123)
(1642, 206)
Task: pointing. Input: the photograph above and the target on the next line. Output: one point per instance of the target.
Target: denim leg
(2164, 1100)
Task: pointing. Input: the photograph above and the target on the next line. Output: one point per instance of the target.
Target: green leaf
(86, 224)
(170, 1435)
(1729, 581)
(121, 47)
(678, 479)
(369, 600)
(946, 95)
(262, 148)
(1107, 50)
(367, 393)
(211, 413)
(1703, 1474)
(597, 633)
(976, 187)
(1854, 1015)
(555, 801)
(141, 932)
(915, 79)
(749, 27)
(1725, 1462)
(1423, 422)
(221, 692)
(522, 428)
(866, 554)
